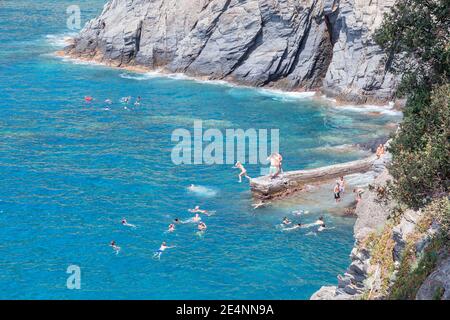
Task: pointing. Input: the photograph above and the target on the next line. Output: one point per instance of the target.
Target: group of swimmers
(123, 100)
(288, 225)
(201, 226)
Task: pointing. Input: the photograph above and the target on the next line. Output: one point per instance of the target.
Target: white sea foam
(202, 191)
(59, 40)
(189, 121)
(140, 76)
(286, 95)
(386, 109)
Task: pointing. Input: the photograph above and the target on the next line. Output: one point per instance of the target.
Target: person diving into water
(243, 172)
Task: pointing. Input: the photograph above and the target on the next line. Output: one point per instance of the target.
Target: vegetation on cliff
(416, 37)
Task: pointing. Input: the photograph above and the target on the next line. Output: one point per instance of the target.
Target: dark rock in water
(287, 44)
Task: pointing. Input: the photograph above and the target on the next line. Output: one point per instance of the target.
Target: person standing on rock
(275, 164)
(380, 151)
(341, 185)
(337, 193)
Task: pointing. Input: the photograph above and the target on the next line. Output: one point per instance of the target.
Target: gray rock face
(286, 44)
(437, 284)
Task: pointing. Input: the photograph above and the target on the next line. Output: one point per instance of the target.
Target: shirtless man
(239, 166)
(275, 164)
(161, 249)
(202, 226)
(341, 185)
(380, 151)
(337, 192)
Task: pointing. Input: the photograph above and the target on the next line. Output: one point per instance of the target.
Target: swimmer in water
(161, 249)
(297, 226)
(115, 247)
(202, 226)
(171, 228)
(88, 99)
(108, 101)
(321, 228)
(176, 221)
(196, 218)
(138, 101)
(126, 224)
(125, 100)
(286, 221)
(319, 221)
(198, 210)
(260, 204)
(239, 166)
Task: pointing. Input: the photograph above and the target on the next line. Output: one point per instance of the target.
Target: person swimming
(115, 247)
(88, 99)
(198, 210)
(196, 218)
(126, 224)
(176, 221)
(260, 204)
(171, 228)
(323, 227)
(320, 221)
(243, 172)
(138, 101)
(125, 100)
(202, 226)
(286, 221)
(161, 249)
(297, 226)
(108, 101)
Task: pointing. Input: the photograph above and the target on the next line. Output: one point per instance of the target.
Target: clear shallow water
(69, 172)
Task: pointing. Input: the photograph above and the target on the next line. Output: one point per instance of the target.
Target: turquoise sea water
(70, 171)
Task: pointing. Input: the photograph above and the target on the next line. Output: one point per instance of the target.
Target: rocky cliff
(285, 44)
(394, 257)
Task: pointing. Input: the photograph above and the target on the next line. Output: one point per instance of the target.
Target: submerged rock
(287, 44)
